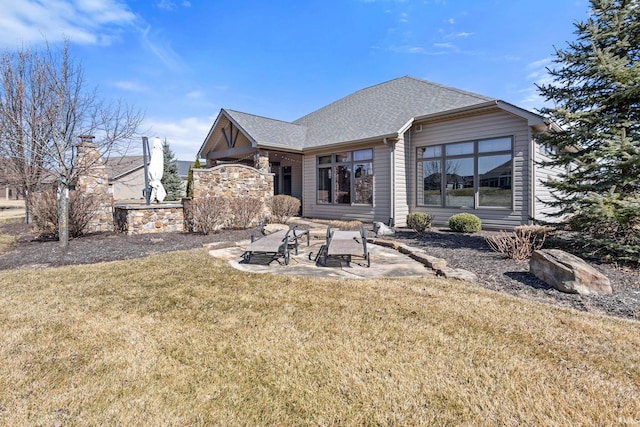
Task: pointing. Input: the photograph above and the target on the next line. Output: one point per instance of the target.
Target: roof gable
(266, 131)
(376, 112)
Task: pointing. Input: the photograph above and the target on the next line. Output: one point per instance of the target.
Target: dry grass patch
(6, 242)
(182, 339)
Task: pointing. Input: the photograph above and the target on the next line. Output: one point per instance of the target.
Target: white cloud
(538, 75)
(81, 21)
(185, 136)
(444, 45)
(130, 86)
(171, 5)
(450, 21)
(195, 94)
(162, 50)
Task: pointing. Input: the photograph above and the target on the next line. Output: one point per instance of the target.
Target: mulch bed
(498, 273)
(469, 252)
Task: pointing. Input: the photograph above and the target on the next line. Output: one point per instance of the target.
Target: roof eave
(340, 144)
(267, 146)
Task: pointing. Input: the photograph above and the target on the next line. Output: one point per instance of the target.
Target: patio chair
(275, 245)
(344, 245)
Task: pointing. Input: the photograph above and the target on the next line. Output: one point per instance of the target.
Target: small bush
(419, 222)
(208, 215)
(521, 243)
(283, 208)
(245, 211)
(44, 212)
(465, 223)
(43, 209)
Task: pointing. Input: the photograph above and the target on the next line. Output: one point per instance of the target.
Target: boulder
(272, 228)
(568, 273)
(457, 273)
(381, 229)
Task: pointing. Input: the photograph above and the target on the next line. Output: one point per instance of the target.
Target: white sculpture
(156, 168)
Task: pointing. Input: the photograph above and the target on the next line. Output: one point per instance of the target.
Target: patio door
(282, 178)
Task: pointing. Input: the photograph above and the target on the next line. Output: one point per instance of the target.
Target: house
(406, 145)
(126, 176)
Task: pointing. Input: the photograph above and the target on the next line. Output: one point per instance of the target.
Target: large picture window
(346, 178)
(471, 174)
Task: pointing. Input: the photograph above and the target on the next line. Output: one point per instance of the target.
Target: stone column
(94, 180)
(261, 161)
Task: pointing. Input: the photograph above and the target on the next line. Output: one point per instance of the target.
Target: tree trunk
(63, 215)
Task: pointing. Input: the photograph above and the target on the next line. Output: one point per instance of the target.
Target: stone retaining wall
(143, 219)
(233, 182)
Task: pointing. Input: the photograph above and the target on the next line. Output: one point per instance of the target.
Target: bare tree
(45, 108)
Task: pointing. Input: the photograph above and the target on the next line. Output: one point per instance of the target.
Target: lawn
(183, 339)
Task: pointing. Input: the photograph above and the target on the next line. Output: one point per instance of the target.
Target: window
(469, 174)
(346, 178)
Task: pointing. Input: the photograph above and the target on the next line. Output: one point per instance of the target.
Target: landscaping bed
(467, 251)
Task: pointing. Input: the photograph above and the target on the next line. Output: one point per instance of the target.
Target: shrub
(419, 222)
(44, 212)
(43, 208)
(208, 215)
(465, 223)
(283, 208)
(521, 243)
(245, 211)
(82, 209)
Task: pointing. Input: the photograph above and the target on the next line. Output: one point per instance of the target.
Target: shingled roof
(269, 131)
(382, 110)
(374, 112)
(122, 165)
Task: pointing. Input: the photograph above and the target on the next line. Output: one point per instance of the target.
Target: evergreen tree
(170, 178)
(190, 177)
(596, 97)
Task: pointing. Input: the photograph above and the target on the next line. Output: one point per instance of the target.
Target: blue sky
(181, 61)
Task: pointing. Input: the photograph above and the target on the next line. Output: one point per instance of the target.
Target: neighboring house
(407, 145)
(126, 176)
(8, 181)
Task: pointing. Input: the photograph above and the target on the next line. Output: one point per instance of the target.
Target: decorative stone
(568, 273)
(381, 229)
(457, 273)
(428, 260)
(386, 243)
(272, 228)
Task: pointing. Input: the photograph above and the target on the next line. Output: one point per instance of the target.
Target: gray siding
(402, 194)
(488, 125)
(381, 194)
(541, 192)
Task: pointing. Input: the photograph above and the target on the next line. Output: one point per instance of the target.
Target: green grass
(183, 339)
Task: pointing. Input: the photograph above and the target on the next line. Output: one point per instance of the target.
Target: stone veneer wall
(143, 219)
(93, 179)
(234, 181)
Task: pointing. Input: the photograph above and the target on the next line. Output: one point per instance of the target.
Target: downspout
(532, 177)
(392, 182)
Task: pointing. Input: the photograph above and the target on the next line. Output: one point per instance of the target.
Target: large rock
(568, 273)
(381, 229)
(272, 228)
